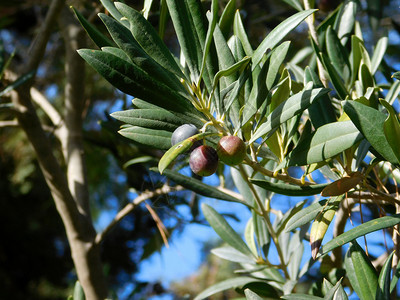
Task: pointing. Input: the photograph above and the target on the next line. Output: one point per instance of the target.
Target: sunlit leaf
(145, 34)
(379, 52)
(289, 189)
(383, 290)
(159, 139)
(97, 37)
(250, 295)
(328, 141)
(360, 230)
(231, 254)
(278, 33)
(240, 32)
(224, 230)
(199, 187)
(227, 284)
(304, 215)
(391, 128)
(344, 22)
(361, 272)
(286, 110)
(150, 118)
(319, 228)
(371, 124)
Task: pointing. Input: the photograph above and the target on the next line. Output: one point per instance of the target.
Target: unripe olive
(203, 160)
(183, 132)
(231, 150)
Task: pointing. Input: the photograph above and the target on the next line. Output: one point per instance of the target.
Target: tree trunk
(70, 192)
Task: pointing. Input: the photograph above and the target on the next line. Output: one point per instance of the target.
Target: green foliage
(325, 115)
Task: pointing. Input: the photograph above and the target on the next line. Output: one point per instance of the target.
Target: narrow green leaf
(227, 284)
(379, 52)
(360, 230)
(198, 186)
(231, 254)
(79, 294)
(361, 272)
(206, 48)
(321, 112)
(395, 279)
(371, 124)
(250, 295)
(391, 128)
(337, 54)
(146, 8)
(278, 56)
(365, 77)
(224, 53)
(334, 76)
(295, 4)
(145, 34)
(227, 17)
(231, 70)
(262, 234)
(159, 139)
(125, 41)
(286, 110)
(132, 80)
(328, 141)
(179, 149)
(344, 22)
(185, 30)
(149, 118)
(240, 32)
(110, 7)
(224, 230)
(299, 296)
(336, 292)
(289, 189)
(280, 226)
(278, 33)
(319, 228)
(355, 57)
(97, 37)
(383, 290)
(249, 236)
(305, 215)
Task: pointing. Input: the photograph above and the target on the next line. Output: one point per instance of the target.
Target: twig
(11, 123)
(313, 33)
(46, 106)
(283, 177)
(131, 206)
(161, 227)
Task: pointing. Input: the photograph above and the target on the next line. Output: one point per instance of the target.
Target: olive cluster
(204, 159)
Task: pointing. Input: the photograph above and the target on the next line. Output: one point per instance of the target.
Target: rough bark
(69, 190)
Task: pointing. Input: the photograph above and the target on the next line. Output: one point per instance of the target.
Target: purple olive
(231, 150)
(203, 160)
(183, 132)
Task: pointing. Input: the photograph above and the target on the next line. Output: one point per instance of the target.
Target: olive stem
(283, 177)
(267, 220)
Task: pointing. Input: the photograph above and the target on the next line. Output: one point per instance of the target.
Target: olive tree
(320, 112)
(268, 112)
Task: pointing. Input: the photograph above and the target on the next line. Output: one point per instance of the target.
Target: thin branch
(314, 36)
(11, 123)
(46, 106)
(132, 205)
(283, 177)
